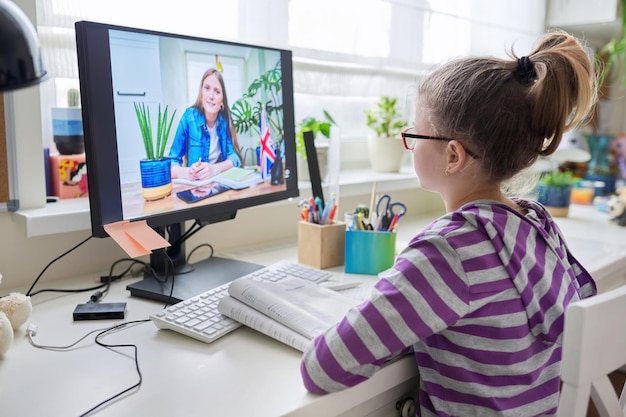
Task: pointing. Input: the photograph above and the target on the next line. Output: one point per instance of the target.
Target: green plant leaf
(314, 125)
(384, 118)
(164, 125)
(262, 92)
(558, 178)
(324, 129)
(328, 117)
(245, 117)
(613, 53)
(143, 118)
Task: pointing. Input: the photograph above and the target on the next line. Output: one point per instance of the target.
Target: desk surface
(136, 206)
(244, 373)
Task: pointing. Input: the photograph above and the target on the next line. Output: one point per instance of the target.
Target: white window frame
(344, 84)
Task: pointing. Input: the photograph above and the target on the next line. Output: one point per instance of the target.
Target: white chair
(594, 345)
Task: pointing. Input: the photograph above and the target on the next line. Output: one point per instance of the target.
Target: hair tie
(525, 69)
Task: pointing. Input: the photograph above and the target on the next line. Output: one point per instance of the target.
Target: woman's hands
(200, 171)
(203, 170)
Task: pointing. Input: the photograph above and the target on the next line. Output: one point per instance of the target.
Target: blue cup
(368, 252)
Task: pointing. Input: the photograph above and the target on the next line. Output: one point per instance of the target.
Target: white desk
(598, 243)
(244, 373)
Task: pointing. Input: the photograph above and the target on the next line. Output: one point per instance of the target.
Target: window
(347, 53)
(355, 27)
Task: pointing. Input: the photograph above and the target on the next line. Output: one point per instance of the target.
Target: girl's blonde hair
(511, 111)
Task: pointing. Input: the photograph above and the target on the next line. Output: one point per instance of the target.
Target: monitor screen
(181, 128)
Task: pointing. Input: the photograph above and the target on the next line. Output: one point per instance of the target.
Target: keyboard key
(197, 317)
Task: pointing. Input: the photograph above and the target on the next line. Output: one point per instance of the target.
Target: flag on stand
(267, 153)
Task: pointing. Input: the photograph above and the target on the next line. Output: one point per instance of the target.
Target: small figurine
(617, 207)
(618, 148)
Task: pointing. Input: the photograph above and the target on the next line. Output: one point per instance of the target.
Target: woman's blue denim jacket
(192, 139)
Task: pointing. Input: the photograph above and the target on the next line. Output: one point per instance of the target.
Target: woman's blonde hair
(225, 109)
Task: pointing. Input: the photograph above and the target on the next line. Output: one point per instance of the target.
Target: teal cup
(369, 252)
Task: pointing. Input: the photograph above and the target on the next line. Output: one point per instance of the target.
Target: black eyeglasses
(409, 140)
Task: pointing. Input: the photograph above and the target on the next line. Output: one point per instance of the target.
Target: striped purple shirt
(479, 298)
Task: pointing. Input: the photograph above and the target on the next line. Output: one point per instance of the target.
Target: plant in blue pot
(156, 177)
(554, 191)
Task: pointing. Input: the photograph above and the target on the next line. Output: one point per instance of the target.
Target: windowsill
(72, 215)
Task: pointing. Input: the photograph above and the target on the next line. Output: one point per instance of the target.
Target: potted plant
(67, 126)
(315, 126)
(385, 148)
(554, 191)
(614, 51)
(262, 97)
(156, 178)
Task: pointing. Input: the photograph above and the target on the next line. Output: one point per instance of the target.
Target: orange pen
(333, 210)
(393, 222)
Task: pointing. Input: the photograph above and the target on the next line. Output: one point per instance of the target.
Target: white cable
(31, 331)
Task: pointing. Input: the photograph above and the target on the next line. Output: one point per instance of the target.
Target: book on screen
(235, 178)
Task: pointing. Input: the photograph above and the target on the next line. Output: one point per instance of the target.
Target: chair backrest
(594, 345)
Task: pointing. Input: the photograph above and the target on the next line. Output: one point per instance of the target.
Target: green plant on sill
(385, 119)
(73, 97)
(614, 52)
(154, 150)
(558, 178)
(314, 125)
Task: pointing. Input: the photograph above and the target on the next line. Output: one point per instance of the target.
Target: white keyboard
(198, 317)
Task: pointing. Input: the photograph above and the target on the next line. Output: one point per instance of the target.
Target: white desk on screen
(242, 374)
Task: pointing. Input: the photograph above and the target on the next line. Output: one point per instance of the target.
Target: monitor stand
(206, 275)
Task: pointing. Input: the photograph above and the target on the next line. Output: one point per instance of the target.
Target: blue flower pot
(556, 199)
(156, 178)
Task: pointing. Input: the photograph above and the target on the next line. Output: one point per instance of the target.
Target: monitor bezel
(101, 152)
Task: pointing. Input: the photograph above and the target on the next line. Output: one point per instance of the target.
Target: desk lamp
(20, 53)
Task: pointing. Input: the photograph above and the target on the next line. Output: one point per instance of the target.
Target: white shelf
(69, 215)
(72, 215)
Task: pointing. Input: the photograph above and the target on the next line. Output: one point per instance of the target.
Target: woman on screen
(205, 143)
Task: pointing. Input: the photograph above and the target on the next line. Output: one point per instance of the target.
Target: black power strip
(99, 311)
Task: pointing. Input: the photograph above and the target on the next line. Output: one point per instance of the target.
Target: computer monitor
(125, 72)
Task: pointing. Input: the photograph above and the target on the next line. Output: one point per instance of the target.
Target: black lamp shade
(20, 53)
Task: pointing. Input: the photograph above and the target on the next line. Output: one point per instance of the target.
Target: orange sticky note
(145, 235)
(130, 246)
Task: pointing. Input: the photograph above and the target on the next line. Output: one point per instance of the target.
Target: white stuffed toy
(617, 206)
(14, 311)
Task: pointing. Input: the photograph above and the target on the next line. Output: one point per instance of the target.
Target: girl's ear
(456, 157)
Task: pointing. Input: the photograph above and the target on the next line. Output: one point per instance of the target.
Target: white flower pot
(322, 160)
(386, 154)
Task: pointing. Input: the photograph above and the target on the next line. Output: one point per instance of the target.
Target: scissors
(386, 212)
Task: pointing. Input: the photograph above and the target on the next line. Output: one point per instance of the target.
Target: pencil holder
(369, 252)
(321, 246)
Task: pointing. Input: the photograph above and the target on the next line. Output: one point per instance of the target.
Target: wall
(22, 259)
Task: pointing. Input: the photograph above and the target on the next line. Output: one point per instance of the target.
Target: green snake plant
(154, 150)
